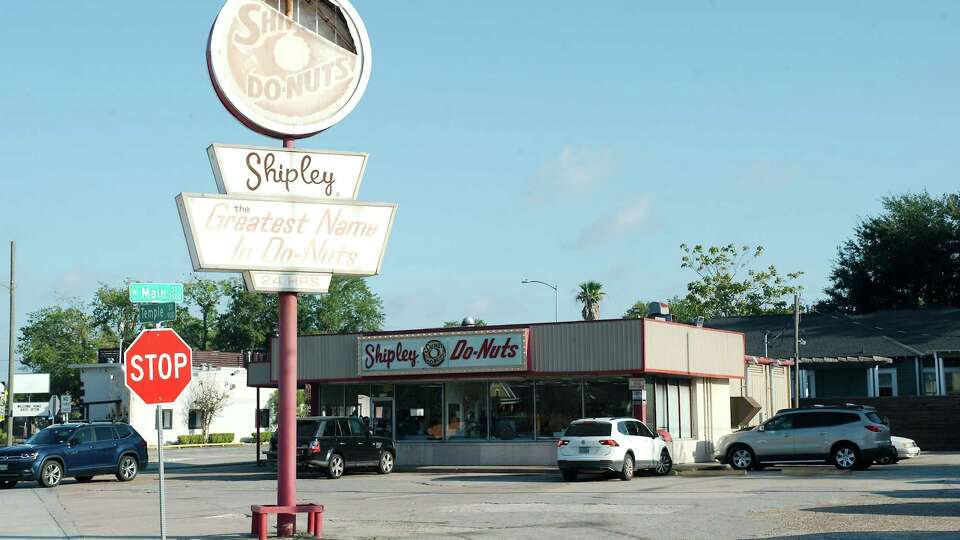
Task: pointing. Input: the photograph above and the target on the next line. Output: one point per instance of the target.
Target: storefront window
(466, 410)
(357, 400)
(673, 407)
(558, 404)
(331, 400)
(606, 399)
(951, 376)
(511, 406)
(419, 412)
(928, 382)
(381, 390)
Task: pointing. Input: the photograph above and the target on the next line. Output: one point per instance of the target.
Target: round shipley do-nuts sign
(289, 76)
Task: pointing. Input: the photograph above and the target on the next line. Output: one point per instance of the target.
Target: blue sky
(561, 141)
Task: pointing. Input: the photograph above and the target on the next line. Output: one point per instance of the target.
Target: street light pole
(556, 296)
(13, 332)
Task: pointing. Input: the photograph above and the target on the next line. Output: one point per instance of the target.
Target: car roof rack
(846, 406)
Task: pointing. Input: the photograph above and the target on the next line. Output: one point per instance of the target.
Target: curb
(798, 471)
(480, 469)
(710, 472)
(207, 445)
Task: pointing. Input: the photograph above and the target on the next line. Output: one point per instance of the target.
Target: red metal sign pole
(287, 458)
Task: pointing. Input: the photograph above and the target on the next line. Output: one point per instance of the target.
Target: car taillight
(315, 447)
(143, 443)
(875, 429)
(609, 442)
(562, 442)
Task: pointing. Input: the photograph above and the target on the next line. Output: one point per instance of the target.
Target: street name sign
(233, 233)
(157, 312)
(287, 173)
(156, 292)
(287, 282)
(157, 366)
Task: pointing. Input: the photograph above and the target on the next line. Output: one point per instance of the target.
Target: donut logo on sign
(434, 353)
(289, 76)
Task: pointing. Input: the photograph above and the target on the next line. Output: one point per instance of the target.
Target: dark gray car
(335, 444)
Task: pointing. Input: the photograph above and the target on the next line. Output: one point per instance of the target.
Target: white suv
(619, 445)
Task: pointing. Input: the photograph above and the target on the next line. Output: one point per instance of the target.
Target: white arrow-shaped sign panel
(292, 174)
(236, 233)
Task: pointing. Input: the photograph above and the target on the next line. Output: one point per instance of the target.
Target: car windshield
(53, 435)
(588, 429)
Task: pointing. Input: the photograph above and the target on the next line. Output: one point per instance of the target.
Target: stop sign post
(157, 366)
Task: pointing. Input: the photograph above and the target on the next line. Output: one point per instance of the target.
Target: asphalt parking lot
(914, 499)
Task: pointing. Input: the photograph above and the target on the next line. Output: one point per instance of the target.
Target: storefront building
(502, 395)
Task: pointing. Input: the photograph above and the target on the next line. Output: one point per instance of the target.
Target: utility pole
(13, 332)
(796, 348)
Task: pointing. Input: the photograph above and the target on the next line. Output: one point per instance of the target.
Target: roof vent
(659, 311)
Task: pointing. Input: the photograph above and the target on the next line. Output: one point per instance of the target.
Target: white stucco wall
(103, 382)
(710, 412)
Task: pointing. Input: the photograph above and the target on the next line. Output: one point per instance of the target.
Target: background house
(105, 397)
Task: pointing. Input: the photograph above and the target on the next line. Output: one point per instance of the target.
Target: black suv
(78, 450)
(337, 443)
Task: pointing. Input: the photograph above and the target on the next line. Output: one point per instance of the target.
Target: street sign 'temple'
(155, 313)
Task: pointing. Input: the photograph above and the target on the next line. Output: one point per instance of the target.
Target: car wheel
(7, 484)
(127, 469)
(569, 476)
(386, 463)
(83, 479)
(740, 457)
(846, 457)
(885, 460)
(626, 473)
(335, 467)
(51, 473)
(665, 465)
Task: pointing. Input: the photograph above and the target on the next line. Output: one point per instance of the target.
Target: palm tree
(591, 293)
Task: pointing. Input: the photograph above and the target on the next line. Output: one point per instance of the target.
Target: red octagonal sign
(158, 365)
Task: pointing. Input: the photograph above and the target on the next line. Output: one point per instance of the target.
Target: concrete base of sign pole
(287, 466)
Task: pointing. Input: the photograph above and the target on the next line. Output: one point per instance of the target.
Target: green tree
(114, 315)
(906, 257)
(189, 327)
(590, 295)
(349, 306)
(206, 295)
(53, 339)
(452, 324)
(638, 310)
(728, 286)
(250, 319)
(274, 405)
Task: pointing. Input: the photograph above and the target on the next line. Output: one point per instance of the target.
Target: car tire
(626, 472)
(665, 465)
(51, 473)
(569, 475)
(83, 479)
(7, 484)
(128, 468)
(845, 457)
(741, 457)
(886, 460)
(385, 466)
(335, 467)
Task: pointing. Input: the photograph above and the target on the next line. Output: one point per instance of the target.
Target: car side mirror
(761, 428)
(369, 433)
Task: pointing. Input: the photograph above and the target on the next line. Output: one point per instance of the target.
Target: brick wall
(932, 421)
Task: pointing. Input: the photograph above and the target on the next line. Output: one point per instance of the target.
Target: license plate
(3, 467)
(584, 450)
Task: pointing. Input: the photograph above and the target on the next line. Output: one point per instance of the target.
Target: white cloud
(572, 171)
(635, 216)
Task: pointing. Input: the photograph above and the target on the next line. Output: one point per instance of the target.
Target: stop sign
(157, 366)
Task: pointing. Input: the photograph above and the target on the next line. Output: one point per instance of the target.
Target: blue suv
(78, 450)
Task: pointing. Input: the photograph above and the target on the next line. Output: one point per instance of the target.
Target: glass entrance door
(382, 417)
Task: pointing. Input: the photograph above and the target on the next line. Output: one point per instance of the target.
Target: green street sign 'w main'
(154, 313)
(156, 292)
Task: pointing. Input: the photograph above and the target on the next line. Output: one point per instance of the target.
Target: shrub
(189, 439)
(220, 438)
(264, 436)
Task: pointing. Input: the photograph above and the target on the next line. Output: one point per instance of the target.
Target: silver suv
(850, 437)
